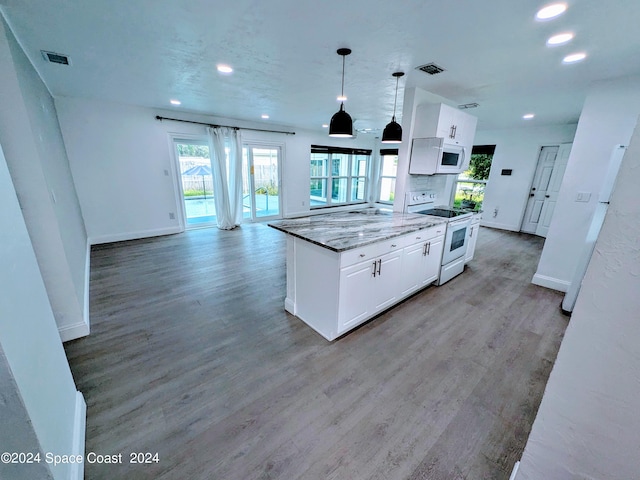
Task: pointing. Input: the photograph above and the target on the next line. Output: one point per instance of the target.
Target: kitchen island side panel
(316, 287)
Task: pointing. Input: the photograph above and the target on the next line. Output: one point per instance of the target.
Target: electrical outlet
(172, 216)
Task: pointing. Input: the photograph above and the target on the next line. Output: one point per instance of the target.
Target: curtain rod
(212, 125)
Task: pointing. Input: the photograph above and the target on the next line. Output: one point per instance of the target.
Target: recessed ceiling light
(551, 11)
(342, 98)
(560, 39)
(574, 57)
(175, 102)
(265, 116)
(222, 68)
(528, 116)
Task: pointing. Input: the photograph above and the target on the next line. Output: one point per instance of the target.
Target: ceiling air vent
(468, 105)
(56, 58)
(431, 68)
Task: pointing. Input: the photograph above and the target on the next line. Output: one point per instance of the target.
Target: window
(339, 176)
(388, 172)
(469, 192)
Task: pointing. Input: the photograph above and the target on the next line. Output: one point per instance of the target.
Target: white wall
(36, 372)
(35, 153)
(122, 161)
(588, 423)
(516, 149)
(608, 118)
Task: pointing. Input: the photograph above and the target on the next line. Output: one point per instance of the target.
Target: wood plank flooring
(192, 355)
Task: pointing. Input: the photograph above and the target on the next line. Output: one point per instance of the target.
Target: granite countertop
(347, 230)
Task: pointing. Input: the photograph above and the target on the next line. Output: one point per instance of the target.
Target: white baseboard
(501, 226)
(87, 278)
(121, 237)
(71, 332)
(550, 282)
(79, 433)
(290, 306)
(514, 472)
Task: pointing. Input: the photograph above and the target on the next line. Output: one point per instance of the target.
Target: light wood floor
(192, 355)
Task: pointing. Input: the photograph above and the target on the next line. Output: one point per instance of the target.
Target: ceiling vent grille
(468, 105)
(56, 58)
(431, 68)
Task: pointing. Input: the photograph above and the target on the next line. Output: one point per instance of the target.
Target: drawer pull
(362, 255)
(393, 245)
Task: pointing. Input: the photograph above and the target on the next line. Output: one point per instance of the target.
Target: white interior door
(538, 194)
(551, 195)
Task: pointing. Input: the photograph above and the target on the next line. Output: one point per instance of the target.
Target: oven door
(455, 245)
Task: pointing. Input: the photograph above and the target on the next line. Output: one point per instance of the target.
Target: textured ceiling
(283, 52)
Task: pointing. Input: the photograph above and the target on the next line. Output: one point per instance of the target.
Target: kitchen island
(344, 268)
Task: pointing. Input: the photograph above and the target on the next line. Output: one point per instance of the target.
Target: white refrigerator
(594, 228)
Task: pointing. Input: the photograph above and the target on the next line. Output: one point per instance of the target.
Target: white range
(458, 223)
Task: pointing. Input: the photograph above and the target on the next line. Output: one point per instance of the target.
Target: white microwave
(431, 155)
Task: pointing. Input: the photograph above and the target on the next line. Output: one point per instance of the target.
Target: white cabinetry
(474, 229)
(421, 261)
(444, 121)
(368, 287)
(335, 292)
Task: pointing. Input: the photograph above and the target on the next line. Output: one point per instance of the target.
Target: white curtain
(227, 175)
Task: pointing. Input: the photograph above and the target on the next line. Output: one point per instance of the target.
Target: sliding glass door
(261, 182)
(197, 182)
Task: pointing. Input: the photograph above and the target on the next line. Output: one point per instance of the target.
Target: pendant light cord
(395, 99)
(342, 91)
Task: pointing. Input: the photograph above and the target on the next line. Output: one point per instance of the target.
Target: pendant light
(341, 124)
(393, 131)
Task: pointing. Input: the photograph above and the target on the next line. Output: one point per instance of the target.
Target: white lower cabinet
(368, 288)
(421, 264)
(335, 292)
(474, 229)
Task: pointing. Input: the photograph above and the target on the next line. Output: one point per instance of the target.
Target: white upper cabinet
(444, 121)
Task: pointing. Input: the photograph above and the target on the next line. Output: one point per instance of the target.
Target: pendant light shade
(393, 131)
(341, 124)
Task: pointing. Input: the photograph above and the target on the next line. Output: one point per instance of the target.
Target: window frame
(477, 149)
(348, 174)
(383, 153)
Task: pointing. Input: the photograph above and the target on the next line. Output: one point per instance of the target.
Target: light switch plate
(583, 196)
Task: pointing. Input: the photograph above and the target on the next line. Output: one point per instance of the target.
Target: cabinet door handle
(379, 266)
(428, 248)
(451, 134)
(471, 232)
(424, 250)
(373, 274)
(455, 129)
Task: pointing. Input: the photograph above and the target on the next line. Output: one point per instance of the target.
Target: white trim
(514, 472)
(121, 237)
(79, 433)
(87, 279)
(501, 226)
(71, 332)
(550, 282)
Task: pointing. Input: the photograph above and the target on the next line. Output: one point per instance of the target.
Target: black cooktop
(442, 212)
